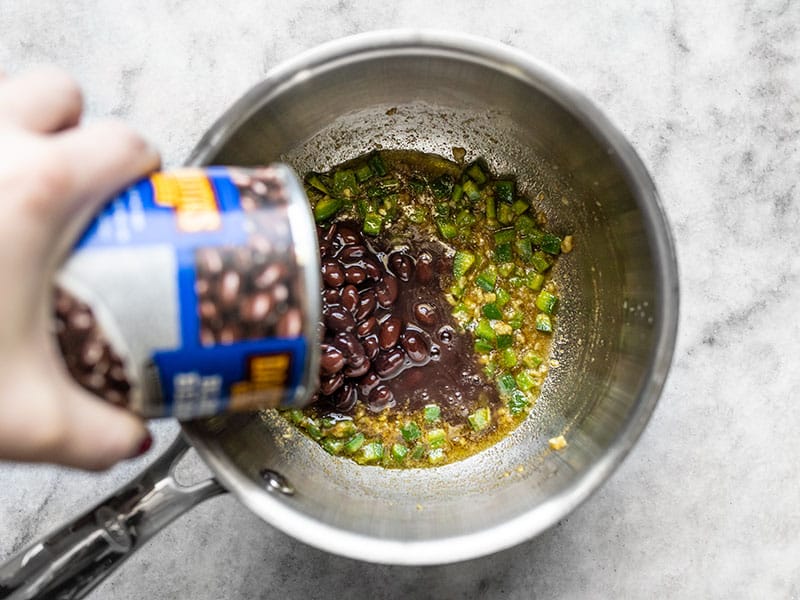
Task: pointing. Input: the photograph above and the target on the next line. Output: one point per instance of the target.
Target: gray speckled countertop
(708, 504)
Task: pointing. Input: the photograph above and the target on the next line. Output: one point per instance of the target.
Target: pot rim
(551, 83)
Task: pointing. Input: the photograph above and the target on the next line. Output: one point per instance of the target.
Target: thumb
(96, 434)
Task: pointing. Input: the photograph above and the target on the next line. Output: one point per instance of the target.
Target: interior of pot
(615, 306)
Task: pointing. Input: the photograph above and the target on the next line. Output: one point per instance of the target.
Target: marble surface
(708, 504)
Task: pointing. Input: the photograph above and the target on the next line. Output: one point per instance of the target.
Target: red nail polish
(147, 442)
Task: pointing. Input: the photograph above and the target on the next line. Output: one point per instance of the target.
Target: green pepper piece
(464, 219)
(376, 164)
(531, 360)
(296, 416)
(436, 438)
(462, 262)
(505, 340)
(540, 261)
(354, 443)
(471, 190)
(447, 229)
(314, 181)
(503, 236)
(502, 297)
(516, 321)
(506, 269)
(546, 302)
(484, 331)
(524, 381)
(487, 279)
(344, 183)
(509, 358)
(543, 323)
(490, 311)
(476, 173)
(418, 452)
(504, 214)
(534, 280)
(313, 429)
(517, 403)
(363, 173)
(491, 208)
(489, 369)
(504, 190)
(550, 243)
(519, 206)
(399, 452)
(372, 452)
(442, 187)
(482, 347)
(525, 225)
(457, 193)
(503, 253)
(373, 223)
(516, 282)
(332, 446)
(417, 215)
(506, 384)
(343, 429)
(383, 188)
(327, 208)
(524, 249)
(480, 419)
(410, 431)
(431, 413)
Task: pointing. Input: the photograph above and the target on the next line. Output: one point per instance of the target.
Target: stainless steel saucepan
(618, 318)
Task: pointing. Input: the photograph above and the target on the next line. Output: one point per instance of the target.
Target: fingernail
(146, 444)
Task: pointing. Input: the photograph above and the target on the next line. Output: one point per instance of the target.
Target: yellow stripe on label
(189, 192)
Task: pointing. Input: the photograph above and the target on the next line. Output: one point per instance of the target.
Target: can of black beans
(195, 292)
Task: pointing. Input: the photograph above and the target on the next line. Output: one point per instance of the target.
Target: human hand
(54, 176)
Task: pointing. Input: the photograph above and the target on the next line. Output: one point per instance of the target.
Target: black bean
(345, 398)
(338, 319)
(371, 346)
(229, 286)
(280, 293)
(202, 287)
(348, 344)
(357, 365)
(350, 297)
(367, 383)
(330, 384)
(380, 398)
(327, 234)
(209, 261)
(367, 302)
(352, 254)
(401, 265)
(415, 345)
(325, 249)
(347, 236)
(425, 313)
(332, 273)
(208, 310)
(367, 327)
(256, 307)
(424, 267)
(446, 334)
(229, 334)
(269, 275)
(373, 268)
(386, 291)
(331, 359)
(290, 324)
(389, 333)
(355, 275)
(388, 364)
(330, 297)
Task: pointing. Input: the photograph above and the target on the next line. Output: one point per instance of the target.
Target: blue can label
(185, 296)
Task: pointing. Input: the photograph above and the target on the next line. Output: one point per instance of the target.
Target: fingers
(97, 435)
(43, 100)
(46, 417)
(84, 168)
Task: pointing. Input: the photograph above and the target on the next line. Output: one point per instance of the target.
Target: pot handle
(71, 561)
